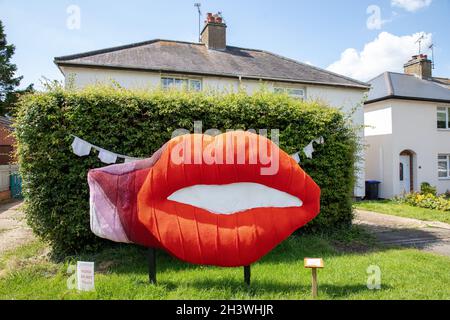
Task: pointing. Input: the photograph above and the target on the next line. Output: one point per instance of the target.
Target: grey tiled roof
(403, 86)
(195, 58)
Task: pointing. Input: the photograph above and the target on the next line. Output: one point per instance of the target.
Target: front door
(405, 174)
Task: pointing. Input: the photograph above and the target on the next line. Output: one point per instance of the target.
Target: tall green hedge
(137, 124)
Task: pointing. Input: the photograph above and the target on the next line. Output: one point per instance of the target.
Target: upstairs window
(293, 92)
(443, 120)
(181, 83)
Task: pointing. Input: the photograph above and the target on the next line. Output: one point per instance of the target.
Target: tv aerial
(431, 47)
(419, 41)
(198, 5)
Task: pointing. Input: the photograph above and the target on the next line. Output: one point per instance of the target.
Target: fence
(10, 182)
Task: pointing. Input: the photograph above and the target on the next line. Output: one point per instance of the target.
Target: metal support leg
(247, 275)
(152, 265)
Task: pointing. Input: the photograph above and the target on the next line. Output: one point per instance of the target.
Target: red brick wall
(5, 136)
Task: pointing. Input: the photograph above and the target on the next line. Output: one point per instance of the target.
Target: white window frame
(443, 110)
(447, 160)
(288, 90)
(175, 78)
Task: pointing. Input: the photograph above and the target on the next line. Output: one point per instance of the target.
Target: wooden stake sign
(314, 264)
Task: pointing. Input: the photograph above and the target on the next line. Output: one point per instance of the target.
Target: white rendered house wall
(413, 128)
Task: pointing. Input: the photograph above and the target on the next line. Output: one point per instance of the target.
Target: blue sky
(326, 33)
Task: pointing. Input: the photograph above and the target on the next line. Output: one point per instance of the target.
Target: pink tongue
(114, 192)
(105, 219)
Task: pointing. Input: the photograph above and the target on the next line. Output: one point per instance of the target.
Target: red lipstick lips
(130, 202)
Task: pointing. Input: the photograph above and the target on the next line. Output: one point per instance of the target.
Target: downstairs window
(293, 92)
(444, 166)
(181, 83)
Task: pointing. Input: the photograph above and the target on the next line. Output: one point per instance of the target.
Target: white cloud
(387, 52)
(411, 5)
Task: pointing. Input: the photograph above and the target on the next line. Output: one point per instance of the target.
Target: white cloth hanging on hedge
(83, 148)
(80, 147)
(107, 157)
(308, 150)
(296, 157)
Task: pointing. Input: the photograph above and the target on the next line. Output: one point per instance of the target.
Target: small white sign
(85, 276)
(313, 263)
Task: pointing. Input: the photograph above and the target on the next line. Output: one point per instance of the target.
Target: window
(443, 119)
(181, 83)
(402, 178)
(195, 85)
(293, 92)
(444, 166)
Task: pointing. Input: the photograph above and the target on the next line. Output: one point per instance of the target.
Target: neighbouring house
(6, 141)
(6, 157)
(214, 65)
(408, 129)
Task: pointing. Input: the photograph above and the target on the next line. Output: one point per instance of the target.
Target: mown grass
(121, 273)
(404, 210)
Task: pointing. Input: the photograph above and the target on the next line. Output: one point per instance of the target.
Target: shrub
(138, 123)
(426, 188)
(447, 194)
(427, 200)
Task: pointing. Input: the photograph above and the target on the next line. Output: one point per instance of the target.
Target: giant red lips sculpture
(225, 201)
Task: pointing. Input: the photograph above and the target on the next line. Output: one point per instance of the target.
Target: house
(214, 65)
(408, 129)
(6, 157)
(6, 141)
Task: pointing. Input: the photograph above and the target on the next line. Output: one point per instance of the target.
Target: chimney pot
(214, 32)
(209, 18)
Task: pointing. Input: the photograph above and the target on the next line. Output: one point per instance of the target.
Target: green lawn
(121, 273)
(403, 210)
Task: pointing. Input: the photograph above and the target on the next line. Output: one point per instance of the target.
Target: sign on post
(314, 264)
(85, 276)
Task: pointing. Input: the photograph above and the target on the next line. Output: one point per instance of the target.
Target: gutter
(407, 98)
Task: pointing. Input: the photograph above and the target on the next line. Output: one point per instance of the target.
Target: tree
(8, 81)
(11, 98)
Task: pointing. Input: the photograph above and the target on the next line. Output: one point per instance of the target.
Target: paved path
(393, 230)
(14, 231)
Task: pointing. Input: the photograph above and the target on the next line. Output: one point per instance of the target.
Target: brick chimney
(420, 66)
(214, 34)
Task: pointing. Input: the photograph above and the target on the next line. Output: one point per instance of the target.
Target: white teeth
(235, 197)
